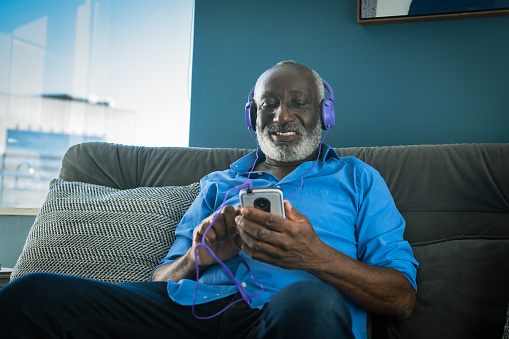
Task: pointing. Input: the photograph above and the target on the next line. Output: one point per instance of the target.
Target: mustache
(283, 128)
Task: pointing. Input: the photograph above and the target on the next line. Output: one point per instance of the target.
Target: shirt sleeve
(380, 228)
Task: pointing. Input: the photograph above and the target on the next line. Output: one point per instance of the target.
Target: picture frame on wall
(379, 12)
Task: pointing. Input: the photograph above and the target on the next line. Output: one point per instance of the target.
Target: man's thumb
(292, 213)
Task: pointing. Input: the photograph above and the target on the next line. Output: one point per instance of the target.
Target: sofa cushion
(104, 233)
(462, 291)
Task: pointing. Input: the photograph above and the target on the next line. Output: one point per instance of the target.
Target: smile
(285, 137)
(285, 133)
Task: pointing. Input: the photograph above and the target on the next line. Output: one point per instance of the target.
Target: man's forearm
(182, 268)
(377, 289)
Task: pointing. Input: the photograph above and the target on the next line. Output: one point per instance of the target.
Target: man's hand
(220, 238)
(288, 243)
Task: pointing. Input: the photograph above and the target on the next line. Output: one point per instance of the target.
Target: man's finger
(271, 221)
(293, 214)
(230, 227)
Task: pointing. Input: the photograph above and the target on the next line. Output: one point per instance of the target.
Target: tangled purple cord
(245, 295)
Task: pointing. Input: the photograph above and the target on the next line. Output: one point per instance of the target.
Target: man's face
(288, 124)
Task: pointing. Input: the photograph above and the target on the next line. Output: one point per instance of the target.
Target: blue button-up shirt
(346, 201)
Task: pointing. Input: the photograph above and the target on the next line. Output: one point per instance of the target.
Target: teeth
(285, 133)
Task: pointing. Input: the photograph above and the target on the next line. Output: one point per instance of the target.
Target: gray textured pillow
(104, 233)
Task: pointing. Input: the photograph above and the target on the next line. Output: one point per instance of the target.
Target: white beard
(285, 153)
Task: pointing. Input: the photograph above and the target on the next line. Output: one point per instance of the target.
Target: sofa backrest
(126, 167)
(442, 191)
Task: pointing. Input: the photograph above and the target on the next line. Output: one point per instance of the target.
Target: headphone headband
(329, 90)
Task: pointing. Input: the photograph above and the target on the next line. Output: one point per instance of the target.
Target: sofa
(112, 212)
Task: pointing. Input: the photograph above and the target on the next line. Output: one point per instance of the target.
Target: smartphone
(268, 199)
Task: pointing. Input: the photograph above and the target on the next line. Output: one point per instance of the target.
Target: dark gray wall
(416, 83)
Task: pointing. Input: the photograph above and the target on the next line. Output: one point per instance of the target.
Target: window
(89, 70)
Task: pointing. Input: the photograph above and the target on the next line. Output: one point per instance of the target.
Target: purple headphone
(328, 113)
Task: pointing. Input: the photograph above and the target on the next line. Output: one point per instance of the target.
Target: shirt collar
(244, 164)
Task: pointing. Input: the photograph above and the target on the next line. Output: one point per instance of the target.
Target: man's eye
(269, 105)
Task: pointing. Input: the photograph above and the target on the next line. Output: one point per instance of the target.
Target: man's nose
(283, 115)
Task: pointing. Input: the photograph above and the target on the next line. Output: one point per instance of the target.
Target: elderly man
(338, 253)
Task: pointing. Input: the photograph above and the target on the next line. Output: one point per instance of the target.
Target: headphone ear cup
(247, 114)
(250, 115)
(250, 111)
(328, 114)
(253, 114)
